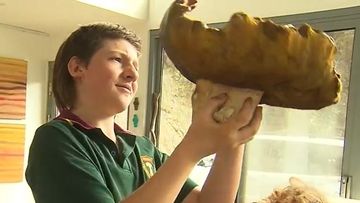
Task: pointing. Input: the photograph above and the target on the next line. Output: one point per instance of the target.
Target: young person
(83, 156)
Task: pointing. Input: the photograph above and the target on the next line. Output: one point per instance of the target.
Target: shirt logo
(148, 166)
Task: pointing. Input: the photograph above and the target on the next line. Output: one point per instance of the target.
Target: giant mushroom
(292, 67)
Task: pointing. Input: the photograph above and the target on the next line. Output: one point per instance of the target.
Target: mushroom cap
(293, 67)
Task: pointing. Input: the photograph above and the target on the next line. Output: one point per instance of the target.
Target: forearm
(224, 177)
(167, 182)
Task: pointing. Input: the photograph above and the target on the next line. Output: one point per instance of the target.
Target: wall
(209, 12)
(32, 48)
(134, 8)
(141, 29)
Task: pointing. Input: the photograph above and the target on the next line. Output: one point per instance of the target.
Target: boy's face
(109, 81)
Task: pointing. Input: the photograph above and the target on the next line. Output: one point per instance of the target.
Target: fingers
(206, 107)
(187, 2)
(215, 103)
(190, 3)
(248, 132)
(245, 114)
(203, 87)
(209, 96)
(244, 141)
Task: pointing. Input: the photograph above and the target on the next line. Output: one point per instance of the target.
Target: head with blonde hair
(296, 192)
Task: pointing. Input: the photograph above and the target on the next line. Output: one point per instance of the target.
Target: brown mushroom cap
(293, 67)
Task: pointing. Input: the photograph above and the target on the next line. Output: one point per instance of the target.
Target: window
(305, 144)
(51, 111)
(317, 146)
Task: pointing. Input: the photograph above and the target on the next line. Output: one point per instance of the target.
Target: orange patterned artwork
(12, 88)
(11, 152)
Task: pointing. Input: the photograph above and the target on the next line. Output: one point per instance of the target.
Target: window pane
(306, 144)
(175, 115)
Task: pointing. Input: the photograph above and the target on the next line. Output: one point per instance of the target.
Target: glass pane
(305, 144)
(175, 115)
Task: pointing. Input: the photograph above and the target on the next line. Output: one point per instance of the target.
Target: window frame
(330, 20)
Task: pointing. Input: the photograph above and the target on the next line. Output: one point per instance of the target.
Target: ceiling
(55, 17)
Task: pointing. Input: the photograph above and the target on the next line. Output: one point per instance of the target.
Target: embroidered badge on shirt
(148, 166)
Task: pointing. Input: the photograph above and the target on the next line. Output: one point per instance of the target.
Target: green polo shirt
(70, 161)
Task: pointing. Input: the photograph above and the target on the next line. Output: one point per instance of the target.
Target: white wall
(211, 11)
(34, 49)
(134, 8)
(142, 30)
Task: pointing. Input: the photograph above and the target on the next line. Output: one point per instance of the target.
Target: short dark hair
(83, 43)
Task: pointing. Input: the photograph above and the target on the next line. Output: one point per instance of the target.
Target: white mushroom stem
(206, 90)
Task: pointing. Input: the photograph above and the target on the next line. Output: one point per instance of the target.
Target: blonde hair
(296, 192)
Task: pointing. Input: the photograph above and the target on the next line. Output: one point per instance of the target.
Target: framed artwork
(13, 78)
(12, 88)
(12, 138)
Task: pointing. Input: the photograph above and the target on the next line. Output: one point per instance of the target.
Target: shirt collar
(69, 116)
